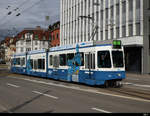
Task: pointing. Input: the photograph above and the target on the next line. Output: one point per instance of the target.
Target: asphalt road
(24, 94)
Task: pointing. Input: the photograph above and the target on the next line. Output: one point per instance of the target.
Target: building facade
(127, 20)
(55, 34)
(2, 51)
(10, 48)
(32, 39)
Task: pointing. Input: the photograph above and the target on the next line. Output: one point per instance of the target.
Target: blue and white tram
(91, 65)
(18, 63)
(97, 65)
(36, 63)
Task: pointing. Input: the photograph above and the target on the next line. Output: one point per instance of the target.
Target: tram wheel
(106, 84)
(118, 84)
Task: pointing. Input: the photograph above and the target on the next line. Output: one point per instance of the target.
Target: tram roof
(20, 54)
(82, 45)
(37, 51)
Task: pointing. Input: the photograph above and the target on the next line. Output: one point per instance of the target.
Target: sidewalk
(134, 75)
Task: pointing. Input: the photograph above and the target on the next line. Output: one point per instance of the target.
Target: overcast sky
(33, 13)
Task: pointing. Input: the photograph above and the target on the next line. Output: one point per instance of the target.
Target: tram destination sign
(117, 44)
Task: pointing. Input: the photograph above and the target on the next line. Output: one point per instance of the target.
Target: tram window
(56, 61)
(87, 61)
(90, 61)
(93, 61)
(31, 63)
(41, 64)
(50, 60)
(117, 59)
(35, 64)
(62, 59)
(22, 61)
(18, 61)
(13, 62)
(82, 58)
(104, 59)
(70, 56)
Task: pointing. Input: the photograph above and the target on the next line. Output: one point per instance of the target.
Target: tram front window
(104, 60)
(117, 59)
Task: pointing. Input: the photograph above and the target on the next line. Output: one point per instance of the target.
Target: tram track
(131, 92)
(143, 94)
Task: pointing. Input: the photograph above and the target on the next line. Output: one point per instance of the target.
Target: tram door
(89, 64)
(56, 66)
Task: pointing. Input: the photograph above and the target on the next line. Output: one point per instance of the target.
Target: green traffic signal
(117, 44)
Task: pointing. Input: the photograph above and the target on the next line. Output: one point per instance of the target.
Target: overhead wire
(11, 11)
(19, 13)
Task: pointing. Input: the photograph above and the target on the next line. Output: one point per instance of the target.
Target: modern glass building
(126, 20)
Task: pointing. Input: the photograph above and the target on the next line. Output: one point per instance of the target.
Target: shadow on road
(12, 110)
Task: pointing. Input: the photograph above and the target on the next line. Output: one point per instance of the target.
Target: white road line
(45, 94)
(100, 110)
(12, 85)
(132, 79)
(138, 85)
(85, 90)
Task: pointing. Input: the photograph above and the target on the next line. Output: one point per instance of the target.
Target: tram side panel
(18, 64)
(36, 64)
(57, 65)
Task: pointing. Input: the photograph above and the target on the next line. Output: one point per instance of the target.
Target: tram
(88, 63)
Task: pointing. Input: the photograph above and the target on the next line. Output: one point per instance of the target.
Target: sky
(33, 13)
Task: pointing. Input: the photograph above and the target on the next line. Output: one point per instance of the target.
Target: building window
(57, 35)
(112, 12)
(21, 42)
(36, 42)
(131, 30)
(28, 49)
(112, 33)
(101, 35)
(53, 37)
(117, 14)
(22, 49)
(124, 31)
(106, 16)
(117, 33)
(130, 5)
(138, 4)
(43, 42)
(124, 12)
(138, 29)
(106, 34)
(36, 37)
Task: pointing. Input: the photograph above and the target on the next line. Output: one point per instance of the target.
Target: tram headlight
(119, 75)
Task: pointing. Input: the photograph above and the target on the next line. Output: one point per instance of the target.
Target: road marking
(85, 90)
(45, 94)
(12, 85)
(138, 85)
(100, 110)
(132, 79)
